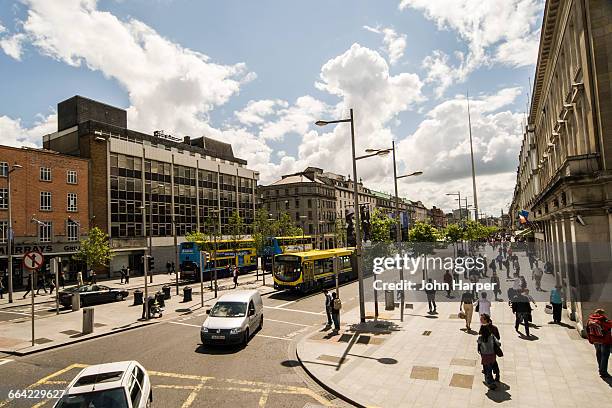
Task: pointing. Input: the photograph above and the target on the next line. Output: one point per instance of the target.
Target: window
(71, 177)
(45, 174)
(72, 202)
(44, 231)
(72, 231)
(4, 198)
(3, 232)
(45, 201)
(4, 169)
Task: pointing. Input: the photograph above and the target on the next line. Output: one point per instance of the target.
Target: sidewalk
(58, 330)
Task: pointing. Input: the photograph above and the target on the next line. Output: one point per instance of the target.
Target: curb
(322, 384)
(80, 340)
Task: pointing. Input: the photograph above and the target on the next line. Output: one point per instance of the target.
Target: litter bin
(138, 297)
(159, 298)
(76, 301)
(166, 290)
(186, 294)
(389, 300)
(88, 320)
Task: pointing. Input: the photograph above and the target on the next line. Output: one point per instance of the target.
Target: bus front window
(287, 268)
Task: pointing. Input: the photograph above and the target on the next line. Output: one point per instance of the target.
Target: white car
(124, 384)
(233, 318)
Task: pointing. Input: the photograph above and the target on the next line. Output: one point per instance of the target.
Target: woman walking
(487, 344)
(557, 302)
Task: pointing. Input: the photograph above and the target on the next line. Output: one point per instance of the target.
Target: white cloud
(496, 31)
(297, 118)
(13, 133)
(395, 44)
(13, 45)
(255, 112)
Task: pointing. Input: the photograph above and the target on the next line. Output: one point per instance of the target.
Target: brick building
(51, 188)
(184, 185)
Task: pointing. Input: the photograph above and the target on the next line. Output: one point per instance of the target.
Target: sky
(259, 74)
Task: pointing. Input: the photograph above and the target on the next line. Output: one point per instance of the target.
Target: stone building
(564, 177)
(182, 185)
(49, 207)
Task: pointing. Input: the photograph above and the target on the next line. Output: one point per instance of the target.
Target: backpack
(337, 304)
(596, 332)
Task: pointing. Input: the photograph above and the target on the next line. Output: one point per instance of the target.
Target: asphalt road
(183, 373)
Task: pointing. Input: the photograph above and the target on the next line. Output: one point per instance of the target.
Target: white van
(233, 318)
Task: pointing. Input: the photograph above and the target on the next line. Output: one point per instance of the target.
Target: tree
(381, 224)
(236, 231)
(195, 236)
(262, 229)
(453, 233)
(95, 249)
(340, 232)
(423, 237)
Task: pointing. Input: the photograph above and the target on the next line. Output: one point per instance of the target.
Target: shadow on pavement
(290, 363)
(218, 350)
(500, 394)
(472, 332)
(531, 337)
(374, 327)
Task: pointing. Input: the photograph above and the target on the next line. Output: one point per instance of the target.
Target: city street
(183, 373)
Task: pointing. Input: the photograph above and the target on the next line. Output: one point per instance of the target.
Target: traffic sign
(33, 260)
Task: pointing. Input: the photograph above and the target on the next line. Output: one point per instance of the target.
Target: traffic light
(151, 261)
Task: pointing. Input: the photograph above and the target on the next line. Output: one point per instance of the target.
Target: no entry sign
(33, 260)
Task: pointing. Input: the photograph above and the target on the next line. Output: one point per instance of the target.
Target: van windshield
(228, 309)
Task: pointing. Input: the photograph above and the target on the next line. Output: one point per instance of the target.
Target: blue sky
(295, 62)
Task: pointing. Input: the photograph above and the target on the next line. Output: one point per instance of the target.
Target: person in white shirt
(483, 305)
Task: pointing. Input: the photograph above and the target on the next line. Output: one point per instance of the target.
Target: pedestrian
(336, 306)
(537, 274)
(51, 285)
(474, 280)
(548, 267)
(172, 267)
(122, 272)
(431, 297)
(235, 273)
(523, 283)
(448, 281)
(531, 260)
(168, 267)
(2, 287)
(328, 307)
(485, 265)
(483, 305)
(522, 311)
(28, 285)
(467, 300)
(598, 330)
(40, 284)
(507, 266)
(486, 348)
(80, 278)
(496, 285)
(485, 320)
(499, 261)
(127, 275)
(557, 302)
(92, 276)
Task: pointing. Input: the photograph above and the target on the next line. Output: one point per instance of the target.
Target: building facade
(151, 186)
(49, 207)
(564, 177)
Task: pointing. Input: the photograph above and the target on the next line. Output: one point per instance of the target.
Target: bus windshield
(287, 268)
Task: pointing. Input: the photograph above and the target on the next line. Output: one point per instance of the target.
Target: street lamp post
(10, 231)
(303, 220)
(398, 230)
(145, 266)
(34, 275)
(217, 229)
(356, 206)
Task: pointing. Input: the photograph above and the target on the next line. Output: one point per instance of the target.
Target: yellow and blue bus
(313, 270)
(284, 245)
(224, 253)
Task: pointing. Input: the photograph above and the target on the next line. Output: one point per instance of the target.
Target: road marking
(282, 321)
(5, 360)
(192, 396)
(273, 337)
(264, 398)
(294, 310)
(287, 304)
(40, 404)
(186, 324)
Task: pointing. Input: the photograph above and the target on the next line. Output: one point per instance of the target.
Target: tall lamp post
(356, 206)
(303, 220)
(398, 230)
(145, 266)
(10, 231)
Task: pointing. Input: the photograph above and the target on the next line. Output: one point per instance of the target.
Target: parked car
(92, 294)
(233, 318)
(123, 384)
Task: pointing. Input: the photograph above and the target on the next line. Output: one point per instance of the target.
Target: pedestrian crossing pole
(203, 261)
(55, 271)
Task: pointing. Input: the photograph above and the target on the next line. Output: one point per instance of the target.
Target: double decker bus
(284, 245)
(224, 253)
(312, 270)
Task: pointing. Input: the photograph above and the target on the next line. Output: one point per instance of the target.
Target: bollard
(88, 320)
(389, 300)
(166, 290)
(138, 297)
(76, 301)
(186, 294)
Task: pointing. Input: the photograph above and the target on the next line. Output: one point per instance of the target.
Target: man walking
(235, 272)
(328, 307)
(127, 275)
(2, 287)
(537, 274)
(168, 267)
(522, 310)
(122, 272)
(28, 285)
(40, 284)
(172, 267)
(431, 298)
(598, 330)
(336, 306)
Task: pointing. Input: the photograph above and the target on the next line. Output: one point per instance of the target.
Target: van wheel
(260, 323)
(246, 337)
(119, 297)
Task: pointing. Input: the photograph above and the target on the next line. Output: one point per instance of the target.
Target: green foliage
(423, 237)
(262, 228)
(453, 233)
(95, 249)
(381, 224)
(340, 232)
(195, 236)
